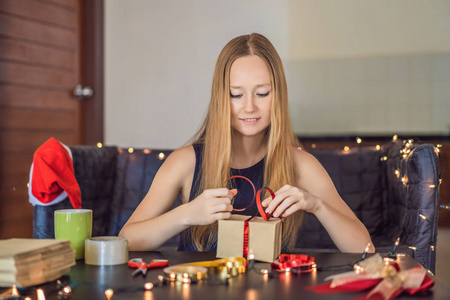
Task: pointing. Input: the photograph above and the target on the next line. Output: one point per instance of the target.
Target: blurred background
(138, 73)
(353, 67)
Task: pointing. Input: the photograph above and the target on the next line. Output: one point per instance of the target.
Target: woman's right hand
(210, 206)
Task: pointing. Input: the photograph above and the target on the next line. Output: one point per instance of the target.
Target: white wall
(369, 67)
(159, 61)
(160, 57)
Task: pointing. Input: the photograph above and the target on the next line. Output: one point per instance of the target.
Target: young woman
(246, 132)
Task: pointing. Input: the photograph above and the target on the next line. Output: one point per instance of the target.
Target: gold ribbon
(224, 267)
(186, 274)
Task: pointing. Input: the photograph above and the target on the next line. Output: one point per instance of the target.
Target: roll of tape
(106, 251)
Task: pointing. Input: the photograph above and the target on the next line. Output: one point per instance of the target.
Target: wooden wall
(39, 67)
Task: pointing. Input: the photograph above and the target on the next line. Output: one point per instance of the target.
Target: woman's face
(250, 95)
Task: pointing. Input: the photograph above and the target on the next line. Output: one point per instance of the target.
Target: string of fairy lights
(26, 184)
(405, 152)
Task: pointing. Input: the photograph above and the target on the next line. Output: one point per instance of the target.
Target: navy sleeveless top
(242, 200)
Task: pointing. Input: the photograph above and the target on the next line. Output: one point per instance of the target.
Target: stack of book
(27, 262)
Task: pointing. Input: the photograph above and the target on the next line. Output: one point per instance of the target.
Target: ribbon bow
(386, 279)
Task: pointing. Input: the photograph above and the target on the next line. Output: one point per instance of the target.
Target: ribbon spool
(232, 266)
(106, 251)
(294, 262)
(186, 274)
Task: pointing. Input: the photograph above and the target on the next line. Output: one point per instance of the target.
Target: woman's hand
(290, 199)
(210, 206)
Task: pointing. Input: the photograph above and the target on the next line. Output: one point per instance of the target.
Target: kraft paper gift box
(264, 237)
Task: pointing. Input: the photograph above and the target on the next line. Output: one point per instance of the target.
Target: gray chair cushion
(113, 182)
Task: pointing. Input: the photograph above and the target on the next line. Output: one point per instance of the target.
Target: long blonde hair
(216, 134)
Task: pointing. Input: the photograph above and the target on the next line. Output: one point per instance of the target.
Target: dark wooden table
(92, 281)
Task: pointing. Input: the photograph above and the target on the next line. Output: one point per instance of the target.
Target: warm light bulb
(412, 248)
(404, 180)
(432, 248)
(432, 186)
(40, 294)
(346, 148)
(395, 137)
(397, 173)
(67, 290)
(397, 241)
(109, 293)
(130, 150)
(424, 217)
(264, 271)
(147, 151)
(384, 158)
(14, 291)
(99, 145)
(148, 286)
(367, 248)
(358, 140)
(288, 270)
(161, 156)
(378, 147)
(28, 185)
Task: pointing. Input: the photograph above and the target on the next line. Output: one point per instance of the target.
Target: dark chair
(393, 191)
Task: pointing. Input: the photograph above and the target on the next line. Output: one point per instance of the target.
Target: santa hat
(52, 175)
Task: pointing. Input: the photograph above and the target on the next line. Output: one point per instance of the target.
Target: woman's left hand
(290, 199)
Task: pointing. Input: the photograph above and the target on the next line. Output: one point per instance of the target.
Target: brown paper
(264, 238)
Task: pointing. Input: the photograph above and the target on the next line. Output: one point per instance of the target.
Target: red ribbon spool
(304, 263)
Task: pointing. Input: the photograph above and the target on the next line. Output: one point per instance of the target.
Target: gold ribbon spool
(185, 274)
(231, 266)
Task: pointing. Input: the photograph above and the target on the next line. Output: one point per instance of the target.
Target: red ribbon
(254, 191)
(263, 214)
(365, 284)
(294, 261)
(246, 232)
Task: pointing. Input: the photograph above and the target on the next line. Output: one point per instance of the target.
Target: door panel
(40, 59)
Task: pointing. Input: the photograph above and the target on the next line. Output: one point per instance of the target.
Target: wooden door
(41, 52)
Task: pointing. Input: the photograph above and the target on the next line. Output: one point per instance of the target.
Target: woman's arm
(315, 193)
(153, 223)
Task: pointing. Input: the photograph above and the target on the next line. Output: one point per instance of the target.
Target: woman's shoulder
(306, 162)
(184, 154)
(303, 157)
(181, 159)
